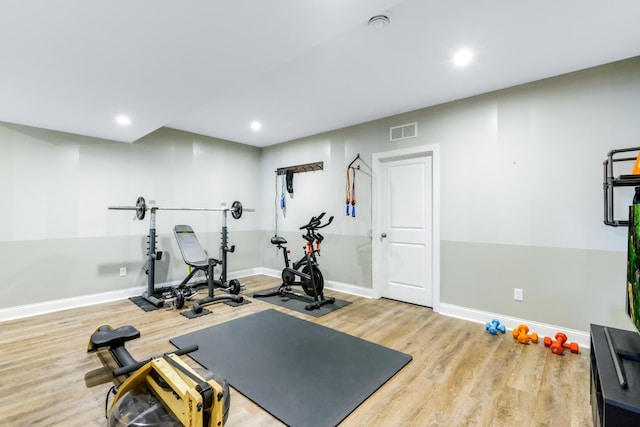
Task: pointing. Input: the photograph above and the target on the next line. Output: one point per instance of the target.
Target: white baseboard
(268, 272)
(478, 316)
(244, 273)
(35, 309)
(349, 289)
(542, 329)
(582, 338)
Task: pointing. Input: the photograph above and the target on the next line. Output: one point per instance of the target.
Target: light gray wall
(346, 251)
(521, 194)
(521, 200)
(58, 240)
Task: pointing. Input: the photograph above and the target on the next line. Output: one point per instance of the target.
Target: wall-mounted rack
(307, 167)
(610, 181)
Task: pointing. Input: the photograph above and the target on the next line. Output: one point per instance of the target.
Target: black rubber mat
(304, 374)
(143, 303)
(190, 314)
(236, 304)
(297, 304)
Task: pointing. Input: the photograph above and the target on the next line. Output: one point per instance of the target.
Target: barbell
(141, 208)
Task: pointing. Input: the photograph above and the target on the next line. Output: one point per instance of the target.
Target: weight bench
(195, 257)
(192, 253)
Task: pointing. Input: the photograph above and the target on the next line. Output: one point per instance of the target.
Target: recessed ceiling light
(462, 57)
(256, 125)
(123, 120)
(379, 22)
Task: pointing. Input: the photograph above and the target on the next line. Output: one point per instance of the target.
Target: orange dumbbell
(558, 346)
(521, 334)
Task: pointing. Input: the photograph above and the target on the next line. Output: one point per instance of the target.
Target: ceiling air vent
(409, 130)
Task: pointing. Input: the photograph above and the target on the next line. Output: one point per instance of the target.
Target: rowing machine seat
(105, 336)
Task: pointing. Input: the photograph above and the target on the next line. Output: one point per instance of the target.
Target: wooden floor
(460, 374)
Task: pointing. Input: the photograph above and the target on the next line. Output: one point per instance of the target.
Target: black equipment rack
(610, 182)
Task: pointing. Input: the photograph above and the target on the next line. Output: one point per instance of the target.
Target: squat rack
(141, 208)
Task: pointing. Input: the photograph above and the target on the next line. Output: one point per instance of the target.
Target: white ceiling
(300, 67)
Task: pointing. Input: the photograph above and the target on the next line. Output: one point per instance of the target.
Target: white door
(406, 229)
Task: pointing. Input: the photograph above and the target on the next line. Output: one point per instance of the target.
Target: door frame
(432, 150)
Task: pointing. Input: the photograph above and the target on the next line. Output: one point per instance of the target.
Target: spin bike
(305, 271)
(163, 390)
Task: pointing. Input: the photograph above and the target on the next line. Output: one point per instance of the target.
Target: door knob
(383, 235)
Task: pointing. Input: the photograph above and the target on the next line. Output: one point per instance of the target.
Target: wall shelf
(610, 181)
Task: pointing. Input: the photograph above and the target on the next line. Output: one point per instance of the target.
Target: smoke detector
(379, 22)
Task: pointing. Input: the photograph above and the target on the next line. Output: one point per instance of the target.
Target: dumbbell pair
(521, 334)
(560, 343)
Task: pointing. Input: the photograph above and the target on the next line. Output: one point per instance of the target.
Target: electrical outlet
(123, 271)
(518, 294)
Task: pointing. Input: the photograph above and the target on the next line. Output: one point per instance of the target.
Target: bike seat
(277, 240)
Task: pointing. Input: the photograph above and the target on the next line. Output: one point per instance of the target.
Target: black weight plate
(179, 298)
(234, 287)
(141, 208)
(236, 210)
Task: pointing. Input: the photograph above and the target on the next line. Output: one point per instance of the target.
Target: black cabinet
(611, 404)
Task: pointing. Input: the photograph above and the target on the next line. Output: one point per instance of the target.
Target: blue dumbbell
(494, 327)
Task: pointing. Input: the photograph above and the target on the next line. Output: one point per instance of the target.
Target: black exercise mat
(143, 303)
(298, 305)
(235, 304)
(190, 314)
(304, 374)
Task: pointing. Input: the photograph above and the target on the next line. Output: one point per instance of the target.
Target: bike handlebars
(314, 222)
(328, 222)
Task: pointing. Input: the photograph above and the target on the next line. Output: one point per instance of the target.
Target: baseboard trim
(244, 273)
(542, 329)
(36, 309)
(349, 289)
(268, 272)
(473, 315)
